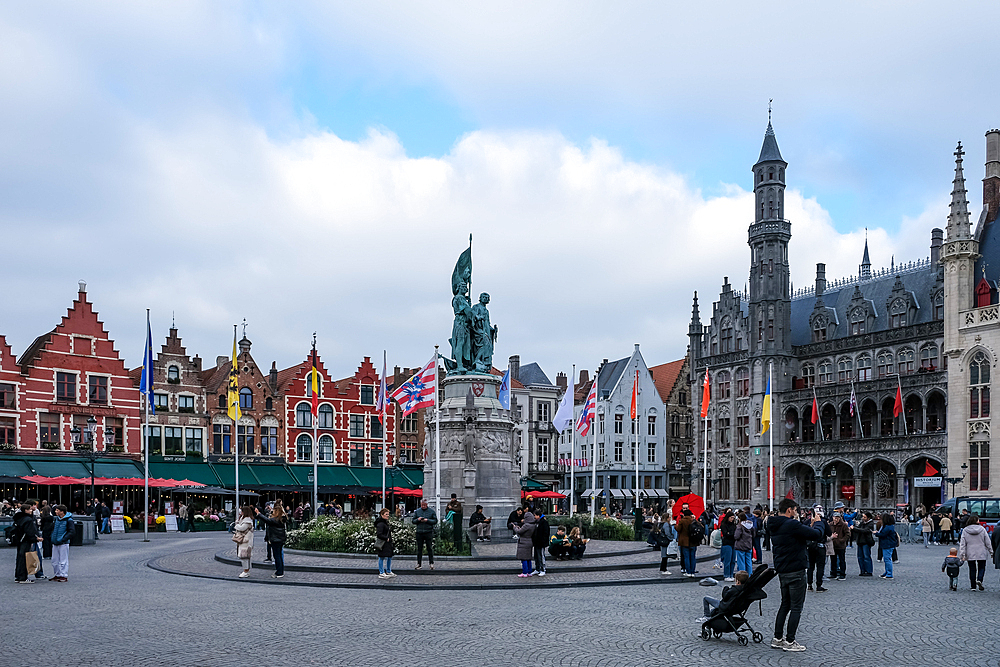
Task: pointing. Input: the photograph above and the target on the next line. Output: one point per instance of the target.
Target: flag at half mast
(233, 392)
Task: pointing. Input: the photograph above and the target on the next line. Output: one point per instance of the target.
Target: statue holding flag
(472, 334)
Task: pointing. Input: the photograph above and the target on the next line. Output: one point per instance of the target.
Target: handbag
(672, 550)
(31, 561)
(379, 544)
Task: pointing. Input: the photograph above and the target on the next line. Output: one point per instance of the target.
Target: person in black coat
(540, 542)
(274, 536)
(383, 542)
(788, 547)
(26, 536)
(817, 550)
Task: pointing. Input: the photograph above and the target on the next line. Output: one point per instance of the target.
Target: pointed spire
(769, 150)
(694, 329)
(865, 270)
(959, 223)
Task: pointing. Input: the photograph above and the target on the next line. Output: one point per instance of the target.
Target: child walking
(952, 564)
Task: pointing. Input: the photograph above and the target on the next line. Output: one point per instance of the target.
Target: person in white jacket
(975, 548)
(243, 537)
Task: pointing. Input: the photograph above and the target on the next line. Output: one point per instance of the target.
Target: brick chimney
(515, 366)
(561, 380)
(937, 240)
(584, 377)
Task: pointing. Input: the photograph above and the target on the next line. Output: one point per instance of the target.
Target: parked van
(987, 509)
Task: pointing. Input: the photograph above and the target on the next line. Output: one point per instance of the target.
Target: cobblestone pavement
(117, 611)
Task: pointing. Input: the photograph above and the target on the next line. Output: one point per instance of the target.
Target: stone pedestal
(477, 456)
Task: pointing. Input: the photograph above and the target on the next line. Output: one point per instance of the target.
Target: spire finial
(173, 319)
(314, 340)
(244, 327)
(769, 110)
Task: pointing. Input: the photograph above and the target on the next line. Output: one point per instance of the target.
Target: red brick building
(349, 429)
(10, 383)
(68, 375)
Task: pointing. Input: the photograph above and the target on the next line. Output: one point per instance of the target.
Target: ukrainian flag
(765, 415)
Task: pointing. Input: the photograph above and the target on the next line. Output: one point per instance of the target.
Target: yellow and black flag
(233, 395)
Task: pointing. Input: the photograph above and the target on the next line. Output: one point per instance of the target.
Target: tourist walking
(243, 537)
(63, 529)
(887, 541)
(864, 537)
(383, 542)
(665, 534)
(788, 544)
(927, 529)
(743, 544)
(687, 543)
(424, 519)
(540, 542)
(25, 537)
(840, 533)
(275, 533)
(975, 548)
(945, 525)
(525, 547)
(952, 566)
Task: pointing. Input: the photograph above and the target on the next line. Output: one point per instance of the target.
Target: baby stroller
(730, 616)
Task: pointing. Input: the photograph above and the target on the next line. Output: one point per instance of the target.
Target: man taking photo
(788, 547)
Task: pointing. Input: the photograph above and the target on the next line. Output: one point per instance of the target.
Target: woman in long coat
(243, 536)
(525, 549)
(383, 534)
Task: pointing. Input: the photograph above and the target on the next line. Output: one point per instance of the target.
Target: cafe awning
(14, 468)
(196, 472)
(117, 469)
(59, 468)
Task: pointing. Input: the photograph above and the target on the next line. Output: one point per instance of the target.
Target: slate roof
(769, 151)
(919, 283)
(988, 235)
(609, 375)
(665, 377)
(532, 374)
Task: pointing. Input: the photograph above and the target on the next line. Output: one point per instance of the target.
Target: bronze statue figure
(472, 334)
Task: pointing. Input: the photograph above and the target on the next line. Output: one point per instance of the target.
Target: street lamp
(954, 480)
(88, 447)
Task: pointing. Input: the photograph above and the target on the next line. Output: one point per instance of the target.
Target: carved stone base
(477, 458)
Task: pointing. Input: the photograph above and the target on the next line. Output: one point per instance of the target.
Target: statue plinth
(477, 453)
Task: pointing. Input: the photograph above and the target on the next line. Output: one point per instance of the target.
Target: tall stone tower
(958, 257)
(770, 298)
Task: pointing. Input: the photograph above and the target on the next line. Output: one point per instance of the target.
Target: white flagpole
(770, 448)
(635, 507)
(857, 410)
(571, 386)
(593, 457)
(235, 438)
(385, 418)
(819, 415)
(704, 460)
(437, 434)
(145, 436)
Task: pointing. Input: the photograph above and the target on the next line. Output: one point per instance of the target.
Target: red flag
(706, 395)
(929, 470)
(635, 396)
(791, 494)
(815, 414)
(897, 407)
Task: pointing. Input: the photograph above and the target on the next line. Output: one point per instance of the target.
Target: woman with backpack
(727, 553)
(243, 537)
(274, 536)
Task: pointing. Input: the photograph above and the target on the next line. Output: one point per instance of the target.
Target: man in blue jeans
(788, 546)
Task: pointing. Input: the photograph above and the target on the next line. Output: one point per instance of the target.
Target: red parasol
(542, 494)
(695, 503)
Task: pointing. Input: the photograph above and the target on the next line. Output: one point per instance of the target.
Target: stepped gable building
(971, 262)
(178, 428)
(671, 380)
(258, 435)
(10, 384)
(533, 403)
(868, 334)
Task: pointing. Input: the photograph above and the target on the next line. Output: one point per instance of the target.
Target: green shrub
(603, 528)
(358, 536)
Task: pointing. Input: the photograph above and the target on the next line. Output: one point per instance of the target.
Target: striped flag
(382, 402)
(854, 401)
(589, 408)
(418, 391)
(314, 382)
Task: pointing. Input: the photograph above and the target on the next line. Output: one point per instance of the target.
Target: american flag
(418, 391)
(854, 400)
(587, 414)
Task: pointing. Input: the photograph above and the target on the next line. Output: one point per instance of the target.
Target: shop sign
(926, 482)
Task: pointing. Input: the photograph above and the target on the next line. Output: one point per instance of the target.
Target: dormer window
(858, 317)
(819, 330)
(897, 314)
(983, 295)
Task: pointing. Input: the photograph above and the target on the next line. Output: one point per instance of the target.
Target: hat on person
(479, 507)
(838, 505)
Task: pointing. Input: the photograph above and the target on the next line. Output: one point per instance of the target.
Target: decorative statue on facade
(472, 334)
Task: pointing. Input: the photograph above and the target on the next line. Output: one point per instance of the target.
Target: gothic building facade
(836, 355)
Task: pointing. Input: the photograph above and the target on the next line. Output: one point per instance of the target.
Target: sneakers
(268, 560)
(701, 619)
(980, 584)
(793, 647)
(810, 586)
(432, 566)
(778, 643)
(841, 578)
(524, 575)
(820, 589)
(244, 575)
(542, 573)
(885, 576)
(730, 579)
(664, 571)
(391, 574)
(26, 581)
(277, 576)
(383, 575)
(419, 567)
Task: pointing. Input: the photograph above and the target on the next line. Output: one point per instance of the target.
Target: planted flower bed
(212, 522)
(358, 536)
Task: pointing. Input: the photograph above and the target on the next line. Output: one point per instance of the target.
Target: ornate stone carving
(979, 426)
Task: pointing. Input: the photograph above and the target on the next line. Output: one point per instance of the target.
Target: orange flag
(635, 396)
(705, 397)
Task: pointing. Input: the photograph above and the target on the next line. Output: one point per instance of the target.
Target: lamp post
(954, 480)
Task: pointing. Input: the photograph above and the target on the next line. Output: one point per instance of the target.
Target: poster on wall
(168, 507)
(117, 507)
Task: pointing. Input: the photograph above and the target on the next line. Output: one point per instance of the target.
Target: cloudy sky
(319, 166)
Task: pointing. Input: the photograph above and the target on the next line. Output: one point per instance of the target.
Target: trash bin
(85, 531)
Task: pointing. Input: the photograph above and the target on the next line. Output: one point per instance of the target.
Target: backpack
(696, 533)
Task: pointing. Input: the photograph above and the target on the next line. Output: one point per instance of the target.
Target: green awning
(117, 469)
(227, 475)
(196, 472)
(14, 468)
(368, 476)
(335, 475)
(413, 478)
(528, 484)
(300, 473)
(59, 468)
(272, 475)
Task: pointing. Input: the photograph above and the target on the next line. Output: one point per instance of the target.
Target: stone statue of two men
(472, 335)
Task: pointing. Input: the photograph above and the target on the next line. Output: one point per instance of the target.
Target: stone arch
(937, 412)
(799, 477)
(791, 423)
(828, 419)
(878, 483)
(848, 422)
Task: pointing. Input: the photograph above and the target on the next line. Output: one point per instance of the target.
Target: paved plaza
(118, 611)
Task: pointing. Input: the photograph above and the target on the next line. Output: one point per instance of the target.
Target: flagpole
(857, 410)
(593, 457)
(236, 421)
(145, 434)
(383, 415)
(437, 431)
(770, 448)
(704, 460)
(818, 414)
(572, 439)
(635, 438)
(902, 405)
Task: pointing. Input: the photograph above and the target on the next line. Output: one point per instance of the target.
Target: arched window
(325, 449)
(246, 399)
(904, 361)
(819, 330)
(722, 385)
(742, 383)
(897, 314)
(808, 375)
(864, 367)
(845, 370)
(303, 415)
(303, 447)
(826, 372)
(939, 305)
(929, 357)
(222, 401)
(325, 417)
(858, 317)
(884, 361)
(173, 374)
(309, 384)
(983, 293)
(979, 386)
(770, 174)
